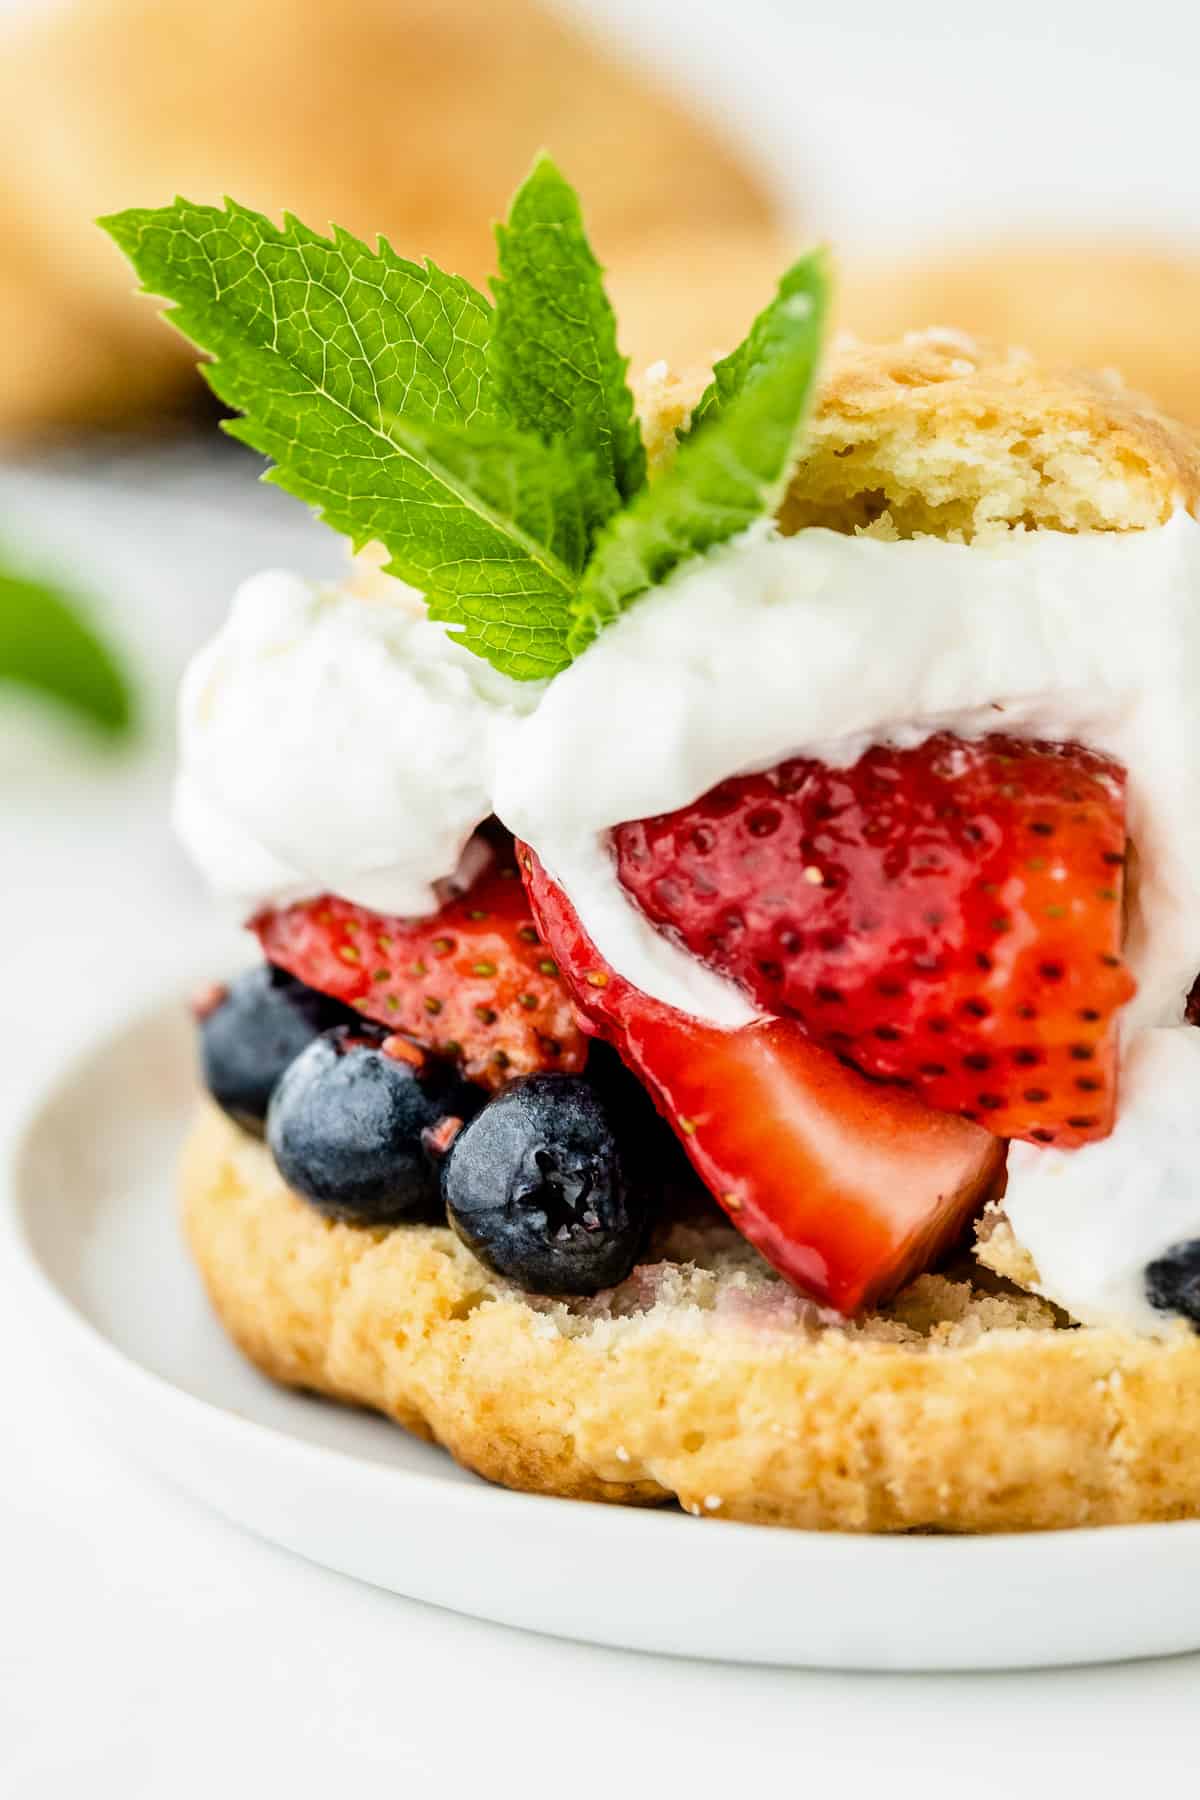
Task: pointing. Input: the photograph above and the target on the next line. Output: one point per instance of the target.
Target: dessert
(763, 897)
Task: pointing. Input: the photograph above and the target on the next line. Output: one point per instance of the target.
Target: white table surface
(146, 1648)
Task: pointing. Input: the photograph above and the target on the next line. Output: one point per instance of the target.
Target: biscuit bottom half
(966, 1405)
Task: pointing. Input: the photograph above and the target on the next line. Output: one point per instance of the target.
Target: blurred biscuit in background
(1130, 307)
(687, 295)
(413, 118)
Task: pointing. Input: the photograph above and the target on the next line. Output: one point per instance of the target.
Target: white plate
(91, 1222)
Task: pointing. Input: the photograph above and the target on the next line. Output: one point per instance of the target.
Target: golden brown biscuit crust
(1124, 303)
(959, 1408)
(938, 434)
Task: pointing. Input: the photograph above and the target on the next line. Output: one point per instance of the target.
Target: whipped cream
(337, 741)
(1093, 1218)
(821, 644)
(345, 743)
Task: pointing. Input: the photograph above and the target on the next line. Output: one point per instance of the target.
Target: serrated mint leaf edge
(129, 228)
(608, 427)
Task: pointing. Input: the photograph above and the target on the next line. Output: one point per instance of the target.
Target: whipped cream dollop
(332, 741)
(337, 740)
(1094, 1218)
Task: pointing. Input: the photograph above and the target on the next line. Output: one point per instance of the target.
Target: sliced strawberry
(948, 917)
(474, 981)
(848, 1188)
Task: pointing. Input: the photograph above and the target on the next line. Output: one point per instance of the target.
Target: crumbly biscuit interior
(702, 1275)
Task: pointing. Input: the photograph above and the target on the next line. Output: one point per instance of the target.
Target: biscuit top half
(939, 435)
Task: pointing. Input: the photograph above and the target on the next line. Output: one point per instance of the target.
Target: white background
(147, 1649)
(898, 126)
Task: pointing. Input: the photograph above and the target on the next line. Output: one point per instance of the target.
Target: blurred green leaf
(47, 645)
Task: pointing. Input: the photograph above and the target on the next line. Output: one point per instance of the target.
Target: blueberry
(1173, 1281)
(250, 1032)
(540, 1186)
(358, 1131)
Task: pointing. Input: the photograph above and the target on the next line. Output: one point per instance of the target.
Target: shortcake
(727, 881)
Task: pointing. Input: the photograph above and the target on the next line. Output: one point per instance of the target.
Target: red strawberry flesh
(948, 917)
(473, 981)
(847, 1187)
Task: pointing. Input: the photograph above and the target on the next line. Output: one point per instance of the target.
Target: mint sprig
(48, 646)
(494, 452)
(731, 468)
(554, 350)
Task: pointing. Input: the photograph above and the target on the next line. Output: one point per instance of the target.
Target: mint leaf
(346, 363)
(554, 354)
(363, 331)
(519, 619)
(731, 468)
(47, 645)
(491, 452)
